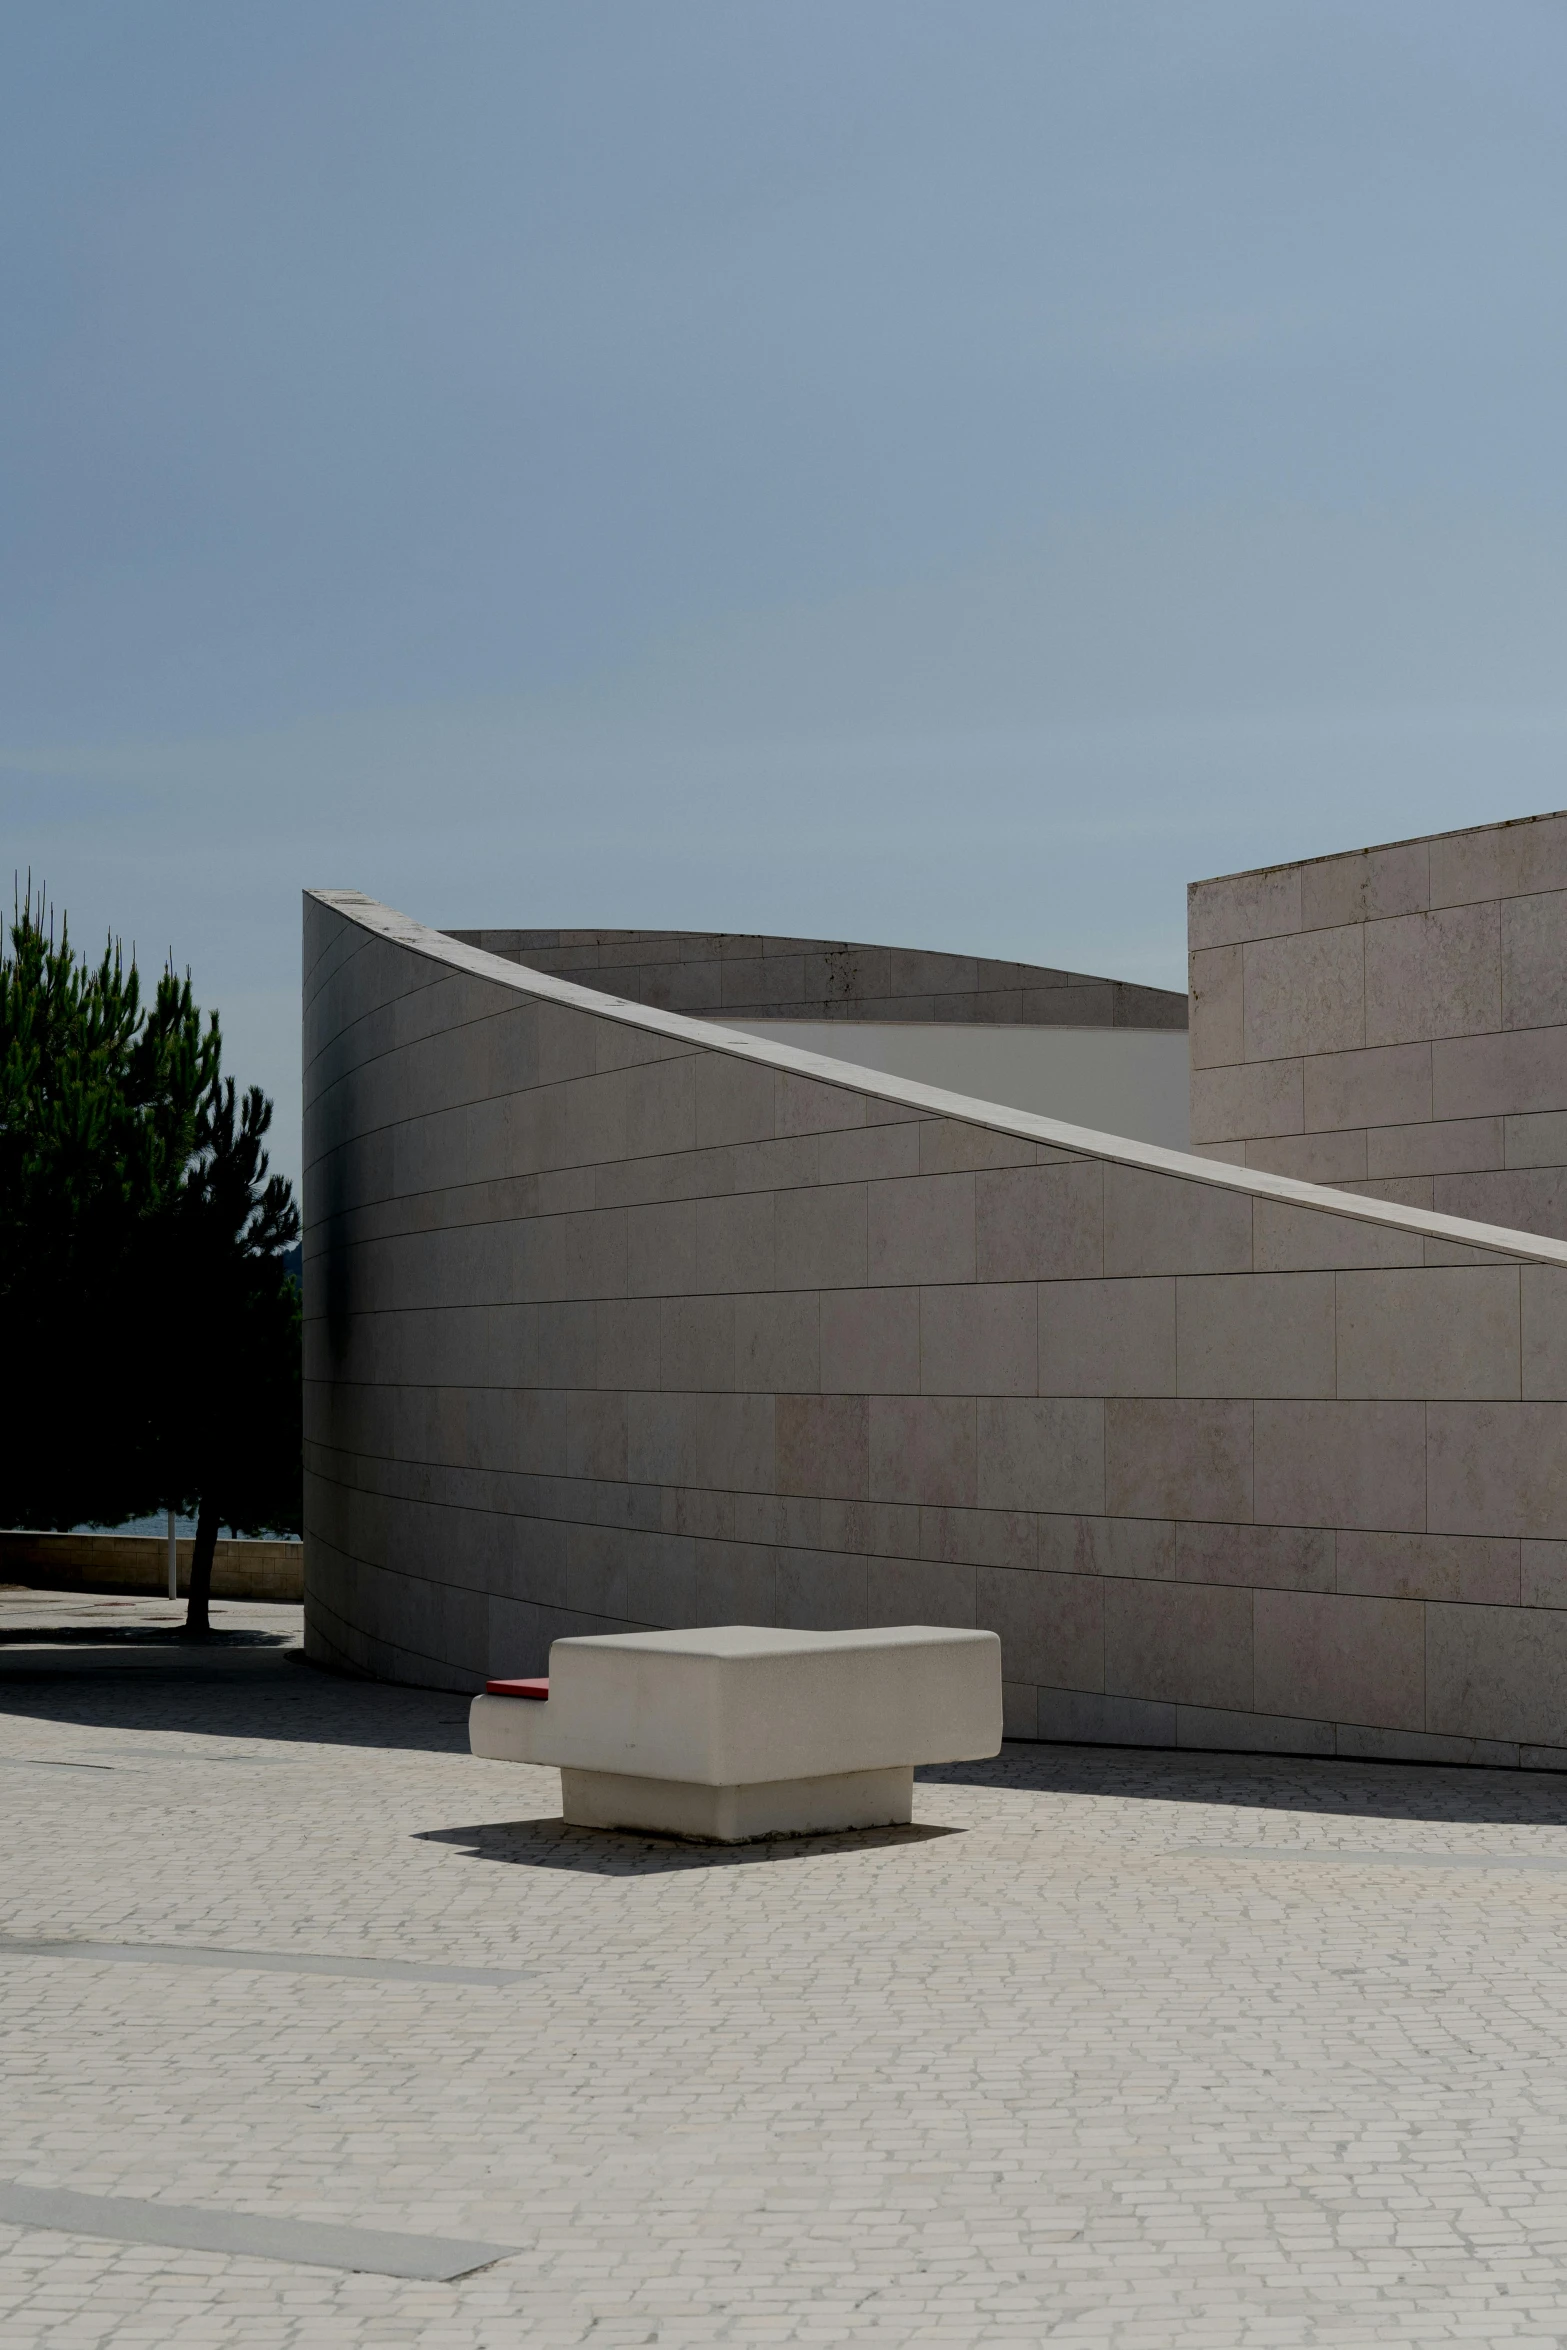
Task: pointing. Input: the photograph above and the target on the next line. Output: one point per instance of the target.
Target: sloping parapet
(615, 1318)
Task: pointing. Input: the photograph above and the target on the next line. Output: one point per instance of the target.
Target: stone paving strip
(263, 1962)
(1078, 2060)
(185, 2226)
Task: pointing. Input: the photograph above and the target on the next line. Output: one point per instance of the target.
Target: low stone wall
(140, 1562)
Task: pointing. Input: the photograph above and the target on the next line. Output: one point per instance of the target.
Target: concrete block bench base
(737, 1815)
(730, 1731)
(503, 1729)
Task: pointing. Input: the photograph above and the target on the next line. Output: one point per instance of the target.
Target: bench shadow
(1270, 1782)
(609, 1852)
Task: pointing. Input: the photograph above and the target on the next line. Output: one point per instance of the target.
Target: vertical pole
(174, 1579)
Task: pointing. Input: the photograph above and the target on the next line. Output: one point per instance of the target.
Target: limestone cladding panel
(1431, 975)
(1097, 1545)
(1040, 1223)
(1307, 1158)
(1107, 1337)
(1303, 994)
(1178, 1459)
(1535, 1140)
(1432, 1332)
(980, 1339)
(1543, 1353)
(924, 1449)
(1267, 1558)
(607, 1326)
(1256, 1334)
(1156, 1223)
(1217, 1024)
(1040, 1455)
(1431, 1566)
(1534, 960)
(1386, 1084)
(1190, 1644)
(1347, 1465)
(1526, 1199)
(1499, 861)
(1497, 1468)
(778, 1344)
(1233, 1104)
(1451, 954)
(1454, 1146)
(1245, 906)
(921, 1229)
(1542, 1574)
(870, 1341)
(1324, 1655)
(1366, 886)
(1497, 1672)
(1524, 1070)
(1289, 1239)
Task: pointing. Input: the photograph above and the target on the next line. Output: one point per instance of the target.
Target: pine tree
(232, 1445)
(151, 1330)
(98, 1100)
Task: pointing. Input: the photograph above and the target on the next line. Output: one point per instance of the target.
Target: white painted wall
(1130, 1081)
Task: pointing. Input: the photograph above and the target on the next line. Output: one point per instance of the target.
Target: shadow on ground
(599, 1852)
(281, 1697)
(21, 1637)
(1267, 1782)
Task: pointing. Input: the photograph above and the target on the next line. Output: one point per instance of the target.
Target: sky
(942, 474)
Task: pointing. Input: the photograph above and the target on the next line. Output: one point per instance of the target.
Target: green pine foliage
(230, 1445)
(150, 1329)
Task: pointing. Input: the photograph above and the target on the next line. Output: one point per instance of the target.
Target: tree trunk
(196, 1623)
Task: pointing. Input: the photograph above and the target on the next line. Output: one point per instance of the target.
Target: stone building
(632, 1301)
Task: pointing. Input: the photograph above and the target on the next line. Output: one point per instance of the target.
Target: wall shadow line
(1349, 1789)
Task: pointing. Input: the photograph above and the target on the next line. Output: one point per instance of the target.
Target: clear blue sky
(948, 474)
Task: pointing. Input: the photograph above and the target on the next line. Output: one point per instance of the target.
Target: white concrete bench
(741, 1730)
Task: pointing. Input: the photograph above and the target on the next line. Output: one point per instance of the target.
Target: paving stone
(1097, 2053)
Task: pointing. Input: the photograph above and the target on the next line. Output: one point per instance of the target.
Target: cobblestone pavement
(1108, 2049)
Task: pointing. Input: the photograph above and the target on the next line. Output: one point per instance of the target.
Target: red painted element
(535, 1689)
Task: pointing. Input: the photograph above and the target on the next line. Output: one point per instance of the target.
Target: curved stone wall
(720, 974)
(616, 1318)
